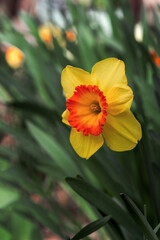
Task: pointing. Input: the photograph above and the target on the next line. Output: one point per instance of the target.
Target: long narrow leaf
(92, 227)
(155, 136)
(60, 157)
(139, 218)
(103, 203)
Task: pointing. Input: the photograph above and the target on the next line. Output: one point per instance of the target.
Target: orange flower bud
(71, 36)
(155, 57)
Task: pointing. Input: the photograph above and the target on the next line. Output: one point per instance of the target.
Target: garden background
(46, 190)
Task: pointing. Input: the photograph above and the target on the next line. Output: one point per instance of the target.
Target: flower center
(95, 108)
(87, 110)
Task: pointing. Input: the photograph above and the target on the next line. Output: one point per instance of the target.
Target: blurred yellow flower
(71, 36)
(57, 33)
(14, 57)
(85, 3)
(45, 34)
(98, 106)
(47, 31)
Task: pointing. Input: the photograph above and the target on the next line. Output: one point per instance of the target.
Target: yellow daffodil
(46, 32)
(14, 57)
(85, 3)
(57, 33)
(98, 108)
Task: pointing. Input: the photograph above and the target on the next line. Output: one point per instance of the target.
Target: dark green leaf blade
(104, 203)
(155, 136)
(139, 218)
(4, 234)
(60, 157)
(157, 228)
(92, 227)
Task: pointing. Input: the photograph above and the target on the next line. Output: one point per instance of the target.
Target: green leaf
(4, 234)
(155, 136)
(48, 218)
(21, 227)
(4, 164)
(35, 64)
(31, 24)
(23, 137)
(86, 44)
(145, 26)
(8, 195)
(13, 174)
(92, 227)
(104, 203)
(4, 94)
(34, 108)
(54, 149)
(139, 218)
(157, 228)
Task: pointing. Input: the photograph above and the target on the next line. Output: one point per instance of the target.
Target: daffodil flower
(98, 108)
(155, 57)
(71, 36)
(46, 32)
(14, 57)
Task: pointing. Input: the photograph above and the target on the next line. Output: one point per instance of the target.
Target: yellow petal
(119, 99)
(65, 115)
(122, 132)
(85, 146)
(73, 77)
(108, 73)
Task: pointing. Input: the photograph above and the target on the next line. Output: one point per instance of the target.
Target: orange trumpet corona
(87, 109)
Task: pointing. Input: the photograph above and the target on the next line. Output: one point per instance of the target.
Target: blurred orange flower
(14, 57)
(70, 35)
(155, 57)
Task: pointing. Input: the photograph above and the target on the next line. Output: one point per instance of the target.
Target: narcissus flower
(45, 34)
(47, 31)
(155, 57)
(98, 108)
(57, 33)
(71, 36)
(85, 3)
(14, 57)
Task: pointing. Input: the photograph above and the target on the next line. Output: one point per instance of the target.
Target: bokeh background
(46, 190)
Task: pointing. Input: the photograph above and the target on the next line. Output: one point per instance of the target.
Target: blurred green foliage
(43, 155)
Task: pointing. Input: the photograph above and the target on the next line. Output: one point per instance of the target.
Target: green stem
(151, 179)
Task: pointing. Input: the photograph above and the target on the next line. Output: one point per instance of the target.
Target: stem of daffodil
(151, 179)
(148, 156)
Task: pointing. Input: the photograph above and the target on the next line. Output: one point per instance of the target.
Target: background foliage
(42, 155)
